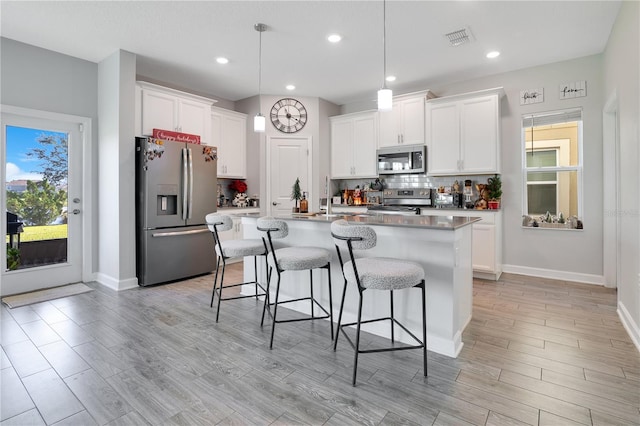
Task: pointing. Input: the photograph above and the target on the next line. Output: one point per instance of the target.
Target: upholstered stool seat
(300, 258)
(292, 259)
(240, 248)
(382, 273)
(375, 273)
(230, 249)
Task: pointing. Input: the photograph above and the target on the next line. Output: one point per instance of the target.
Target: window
(552, 164)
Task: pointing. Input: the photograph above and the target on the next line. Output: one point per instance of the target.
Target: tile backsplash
(411, 181)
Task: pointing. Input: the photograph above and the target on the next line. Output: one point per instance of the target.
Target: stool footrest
(396, 322)
(299, 319)
(244, 296)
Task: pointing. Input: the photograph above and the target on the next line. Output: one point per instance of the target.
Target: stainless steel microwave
(402, 159)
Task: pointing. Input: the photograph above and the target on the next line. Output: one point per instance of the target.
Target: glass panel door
(42, 204)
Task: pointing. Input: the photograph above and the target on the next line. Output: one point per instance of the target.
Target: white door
(287, 159)
(42, 176)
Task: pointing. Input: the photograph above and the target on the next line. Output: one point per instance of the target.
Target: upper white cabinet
(354, 140)
(229, 134)
(463, 133)
(404, 124)
(169, 109)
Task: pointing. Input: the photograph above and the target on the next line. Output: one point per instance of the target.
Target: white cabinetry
(486, 249)
(404, 124)
(354, 138)
(169, 109)
(463, 133)
(229, 134)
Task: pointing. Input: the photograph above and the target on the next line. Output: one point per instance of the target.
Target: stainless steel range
(404, 201)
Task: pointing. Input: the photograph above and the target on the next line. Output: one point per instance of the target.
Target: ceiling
(177, 42)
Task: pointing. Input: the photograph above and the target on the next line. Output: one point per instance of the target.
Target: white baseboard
(114, 284)
(554, 274)
(629, 324)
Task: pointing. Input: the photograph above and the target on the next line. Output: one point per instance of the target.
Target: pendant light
(385, 95)
(259, 122)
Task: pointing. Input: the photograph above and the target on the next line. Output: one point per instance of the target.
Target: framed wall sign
(576, 89)
(531, 96)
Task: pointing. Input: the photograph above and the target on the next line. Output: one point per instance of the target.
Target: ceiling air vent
(456, 38)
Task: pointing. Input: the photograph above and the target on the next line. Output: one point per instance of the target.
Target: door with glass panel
(42, 179)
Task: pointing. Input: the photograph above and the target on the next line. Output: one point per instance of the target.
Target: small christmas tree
(296, 193)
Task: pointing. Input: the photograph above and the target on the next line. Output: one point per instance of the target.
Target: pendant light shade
(385, 95)
(385, 99)
(259, 121)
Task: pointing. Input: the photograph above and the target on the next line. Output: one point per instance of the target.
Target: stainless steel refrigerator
(175, 190)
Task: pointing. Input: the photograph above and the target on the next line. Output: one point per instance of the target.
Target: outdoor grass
(38, 233)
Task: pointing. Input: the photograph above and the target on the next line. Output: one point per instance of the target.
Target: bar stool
(375, 273)
(292, 259)
(230, 249)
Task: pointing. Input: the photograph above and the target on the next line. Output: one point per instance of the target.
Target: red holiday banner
(169, 135)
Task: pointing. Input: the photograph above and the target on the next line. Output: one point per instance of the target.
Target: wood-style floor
(537, 352)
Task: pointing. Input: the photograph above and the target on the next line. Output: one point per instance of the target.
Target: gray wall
(44, 80)
(621, 76)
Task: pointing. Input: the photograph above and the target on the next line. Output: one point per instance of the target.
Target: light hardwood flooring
(537, 352)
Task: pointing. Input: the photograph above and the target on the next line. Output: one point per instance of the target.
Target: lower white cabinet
(486, 250)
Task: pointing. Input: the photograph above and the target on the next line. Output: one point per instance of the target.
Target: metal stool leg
(357, 348)
(224, 266)
(255, 271)
(424, 327)
(344, 293)
(266, 299)
(275, 311)
(311, 289)
(392, 318)
(215, 281)
(330, 300)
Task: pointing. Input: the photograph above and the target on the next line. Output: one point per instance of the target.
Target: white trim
(554, 274)
(611, 194)
(629, 324)
(115, 284)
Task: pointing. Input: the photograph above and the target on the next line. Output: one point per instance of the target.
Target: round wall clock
(288, 115)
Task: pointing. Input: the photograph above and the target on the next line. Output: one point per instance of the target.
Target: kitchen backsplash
(411, 181)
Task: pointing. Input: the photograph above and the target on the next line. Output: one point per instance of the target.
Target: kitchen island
(441, 244)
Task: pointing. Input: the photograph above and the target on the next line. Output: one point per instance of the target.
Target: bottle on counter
(304, 203)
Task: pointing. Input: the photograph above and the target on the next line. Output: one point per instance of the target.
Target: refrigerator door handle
(176, 233)
(185, 183)
(190, 155)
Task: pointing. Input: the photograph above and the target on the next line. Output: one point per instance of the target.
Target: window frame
(578, 167)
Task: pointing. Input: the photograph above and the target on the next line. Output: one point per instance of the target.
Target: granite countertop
(425, 222)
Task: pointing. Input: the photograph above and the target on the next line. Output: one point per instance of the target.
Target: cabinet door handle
(401, 138)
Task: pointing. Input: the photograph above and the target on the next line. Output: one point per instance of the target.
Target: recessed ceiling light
(391, 78)
(222, 60)
(290, 87)
(334, 38)
(493, 54)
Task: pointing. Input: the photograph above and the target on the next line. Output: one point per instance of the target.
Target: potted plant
(296, 194)
(494, 188)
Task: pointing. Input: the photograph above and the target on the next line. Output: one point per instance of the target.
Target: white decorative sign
(531, 96)
(577, 89)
